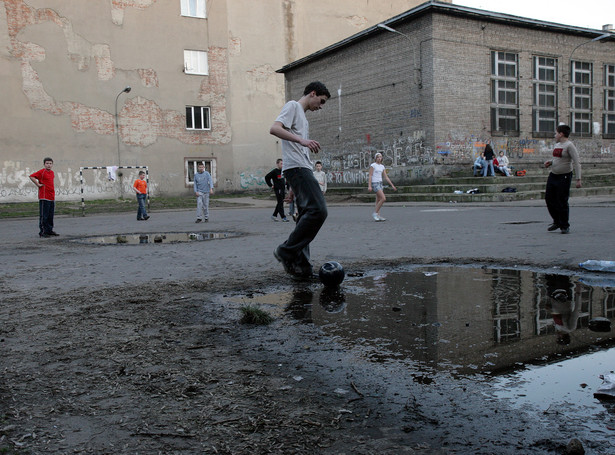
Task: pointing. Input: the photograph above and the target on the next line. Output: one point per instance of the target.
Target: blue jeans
(46, 210)
(312, 210)
(488, 166)
(141, 213)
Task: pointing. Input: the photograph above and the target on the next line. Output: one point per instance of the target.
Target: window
(581, 98)
(193, 8)
(191, 168)
(544, 112)
(197, 118)
(504, 93)
(195, 62)
(608, 126)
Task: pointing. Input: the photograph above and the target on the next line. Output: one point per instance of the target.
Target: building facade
(429, 87)
(202, 80)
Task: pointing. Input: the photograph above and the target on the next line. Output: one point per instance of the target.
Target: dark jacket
(275, 179)
(489, 155)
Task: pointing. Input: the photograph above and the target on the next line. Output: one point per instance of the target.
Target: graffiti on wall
(16, 186)
(250, 180)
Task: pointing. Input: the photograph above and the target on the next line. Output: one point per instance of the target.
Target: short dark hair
(318, 162)
(317, 87)
(564, 129)
(278, 161)
(141, 172)
(47, 159)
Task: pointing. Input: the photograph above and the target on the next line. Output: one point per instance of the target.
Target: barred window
(581, 97)
(544, 113)
(504, 93)
(608, 124)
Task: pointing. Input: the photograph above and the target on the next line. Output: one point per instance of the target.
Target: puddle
(168, 237)
(460, 320)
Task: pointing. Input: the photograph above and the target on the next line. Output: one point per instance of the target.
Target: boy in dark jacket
(275, 180)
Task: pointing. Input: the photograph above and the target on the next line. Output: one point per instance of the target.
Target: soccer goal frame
(84, 168)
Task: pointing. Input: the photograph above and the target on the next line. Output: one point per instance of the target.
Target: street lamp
(417, 71)
(117, 126)
(598, 38)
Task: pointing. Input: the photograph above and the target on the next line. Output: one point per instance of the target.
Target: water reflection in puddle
(167, 237)
(457, 319)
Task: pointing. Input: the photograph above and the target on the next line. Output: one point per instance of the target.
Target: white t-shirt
(293, 119)
(377, 174)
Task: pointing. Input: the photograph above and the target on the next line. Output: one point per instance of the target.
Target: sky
(581, 13)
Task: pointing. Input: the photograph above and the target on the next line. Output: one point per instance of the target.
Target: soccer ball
(331, 274)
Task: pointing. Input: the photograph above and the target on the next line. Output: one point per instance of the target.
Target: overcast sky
(582, 13)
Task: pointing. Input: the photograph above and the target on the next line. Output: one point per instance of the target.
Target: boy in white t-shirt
(292, 127)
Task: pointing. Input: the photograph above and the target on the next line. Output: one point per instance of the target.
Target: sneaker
(381, 218)
(295, 217)
(288, 266)
(375, 216)
(198, 220)
(273, 218)
(53, 233)
(146, 217)
(206, 220)
(565, 230)
(553, 227)
(285, 219)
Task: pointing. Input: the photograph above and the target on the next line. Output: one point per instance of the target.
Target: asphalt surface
(510, 233)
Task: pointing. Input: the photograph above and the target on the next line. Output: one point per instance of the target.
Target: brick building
(428, 87)
(202, 77)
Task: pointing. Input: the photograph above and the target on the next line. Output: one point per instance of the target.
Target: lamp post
(117, 126)
(417, 71)
(597, 38)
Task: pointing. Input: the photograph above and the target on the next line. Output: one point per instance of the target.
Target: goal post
(83, 168)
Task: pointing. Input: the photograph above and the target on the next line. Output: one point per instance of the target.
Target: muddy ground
(139, 349)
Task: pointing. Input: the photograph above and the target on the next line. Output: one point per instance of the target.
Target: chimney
(608, 28)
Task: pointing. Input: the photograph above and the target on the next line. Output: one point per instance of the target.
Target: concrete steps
(597, 181)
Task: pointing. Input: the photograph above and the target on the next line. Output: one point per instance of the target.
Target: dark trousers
(45, 216)
(556, 197)
(279, 208)
(312, 210)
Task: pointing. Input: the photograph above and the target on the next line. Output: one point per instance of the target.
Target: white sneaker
(381, 218)
(375, 216)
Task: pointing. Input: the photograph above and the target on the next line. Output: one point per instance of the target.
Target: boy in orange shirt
(140, 187)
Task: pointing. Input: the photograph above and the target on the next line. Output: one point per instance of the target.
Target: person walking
(488, 156)
(377, 172)
(275, 180)
(203, 187)
(140, 187)
(43, 179)
(565, 158)
(292, 127)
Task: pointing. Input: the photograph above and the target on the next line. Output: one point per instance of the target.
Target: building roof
(454, 10)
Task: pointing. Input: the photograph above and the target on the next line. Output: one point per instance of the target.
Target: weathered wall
(441, 127)
(63, 63)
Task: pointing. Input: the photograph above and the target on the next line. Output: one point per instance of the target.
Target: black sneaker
(198, 220)
(553, 227)
(565, 230)
(53, 233)
(288, 266)
(146, 217)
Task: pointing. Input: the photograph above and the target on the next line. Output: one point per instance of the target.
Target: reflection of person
(564, 307)
(140, 187)
(275, 180)
(479, 164)
(292, 127)
(43, 179)
(565, 156)
(377, 172)
(203, 187)
(488, 155)
(503, 164)
(321, 177)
